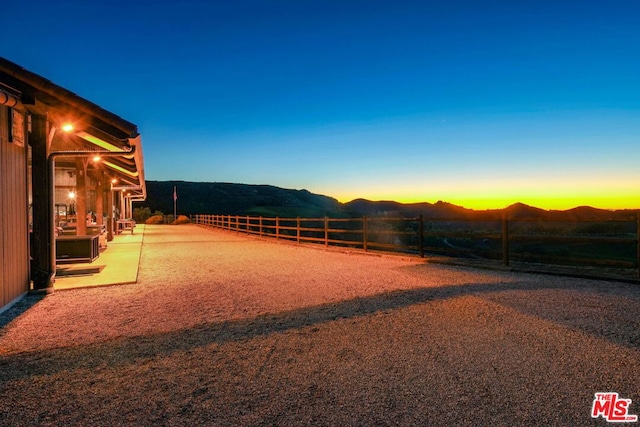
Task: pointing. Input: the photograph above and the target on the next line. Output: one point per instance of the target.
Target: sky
(477, 103)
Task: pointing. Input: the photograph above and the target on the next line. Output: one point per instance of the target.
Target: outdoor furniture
(125, 224)
(71, 249)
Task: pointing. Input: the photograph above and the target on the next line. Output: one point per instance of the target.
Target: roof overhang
(87, 127)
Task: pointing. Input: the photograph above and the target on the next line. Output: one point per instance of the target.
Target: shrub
(156, 219)
(182, 219)
(140, 215)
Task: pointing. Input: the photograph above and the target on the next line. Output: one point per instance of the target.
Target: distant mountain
(266, 200)
(390, 208)
(238, 199)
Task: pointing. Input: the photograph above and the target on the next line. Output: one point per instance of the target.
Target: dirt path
(231, 330)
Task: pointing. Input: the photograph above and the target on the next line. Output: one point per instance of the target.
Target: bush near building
(182, 219)
(155, 219)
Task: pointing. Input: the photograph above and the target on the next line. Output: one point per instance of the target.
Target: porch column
(123, 206)
(43, 267)
(110, 208)
(81, 196)
(99, 197)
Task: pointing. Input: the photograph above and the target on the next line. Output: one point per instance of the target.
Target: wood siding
(14, 228)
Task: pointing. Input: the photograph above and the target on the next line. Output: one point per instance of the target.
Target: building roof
(94, 127)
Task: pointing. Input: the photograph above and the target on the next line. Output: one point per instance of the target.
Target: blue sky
(479, 103)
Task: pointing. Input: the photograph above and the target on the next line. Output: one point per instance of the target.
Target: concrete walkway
(117, 264)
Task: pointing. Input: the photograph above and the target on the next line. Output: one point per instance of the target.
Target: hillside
(238, 199)
(266, 200)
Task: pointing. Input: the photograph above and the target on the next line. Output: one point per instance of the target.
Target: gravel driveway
(224, 329)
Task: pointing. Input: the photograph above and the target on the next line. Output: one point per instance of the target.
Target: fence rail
(607, 243)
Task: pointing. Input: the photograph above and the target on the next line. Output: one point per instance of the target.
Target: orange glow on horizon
(542, 203)
(552, 200)
(615, 191)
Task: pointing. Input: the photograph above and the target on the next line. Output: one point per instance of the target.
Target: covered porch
(118, 265)
(85, 170)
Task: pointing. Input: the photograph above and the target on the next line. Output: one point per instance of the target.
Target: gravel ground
(224, 329)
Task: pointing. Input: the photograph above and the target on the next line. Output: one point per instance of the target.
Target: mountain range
(270, 201)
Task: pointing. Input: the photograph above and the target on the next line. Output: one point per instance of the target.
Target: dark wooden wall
(14, 231)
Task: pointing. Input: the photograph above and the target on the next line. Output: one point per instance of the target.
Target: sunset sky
(478, 103)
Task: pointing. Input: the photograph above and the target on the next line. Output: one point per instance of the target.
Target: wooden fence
(611, 243)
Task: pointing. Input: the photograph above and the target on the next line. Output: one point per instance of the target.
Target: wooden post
(277, 228)
(421, 236)
(505, 239)
(364, 232)
(110, 229)
(99, 176)
(81, 196)
(43, 269)
(260, 224)
(326, 231)
(298, 229)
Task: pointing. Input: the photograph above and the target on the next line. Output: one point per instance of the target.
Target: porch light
(72, 195)
(96, 159)
(67, 127)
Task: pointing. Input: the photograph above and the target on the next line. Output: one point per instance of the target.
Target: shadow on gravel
(131, 350)
(18, 308)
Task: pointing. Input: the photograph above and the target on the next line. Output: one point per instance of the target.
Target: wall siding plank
(14, 249)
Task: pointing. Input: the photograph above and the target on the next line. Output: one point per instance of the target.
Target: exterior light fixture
(72, 195)
(67, 127)
(96, 158)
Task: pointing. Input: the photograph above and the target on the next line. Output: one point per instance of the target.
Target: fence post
(298, 229)
(364, 232)
(421, 236)
(326, 231)
(277, 228)
(505, 239)
(260, 224)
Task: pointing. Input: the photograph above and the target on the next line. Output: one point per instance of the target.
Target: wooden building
(47, 133)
